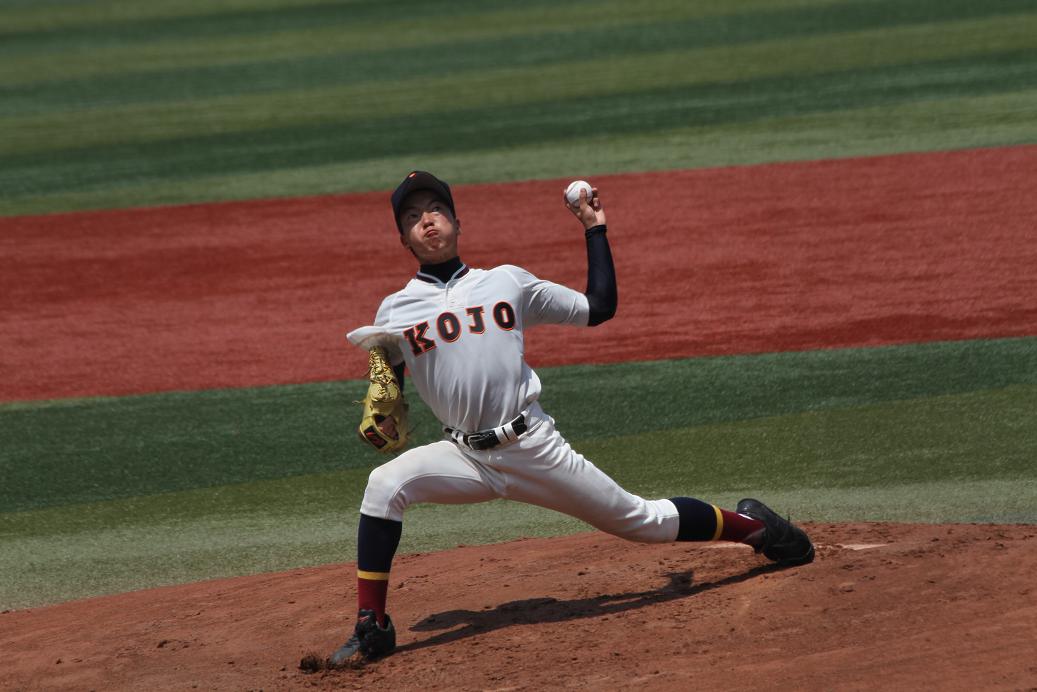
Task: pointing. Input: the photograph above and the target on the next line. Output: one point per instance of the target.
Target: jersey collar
(429, 278)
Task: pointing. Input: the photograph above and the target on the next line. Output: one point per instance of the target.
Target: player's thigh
(576, 487)
(436, 472)
(559, 478)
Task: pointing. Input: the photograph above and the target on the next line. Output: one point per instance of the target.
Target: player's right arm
(602, 293)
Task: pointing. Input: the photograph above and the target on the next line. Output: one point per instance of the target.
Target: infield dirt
(884, 606)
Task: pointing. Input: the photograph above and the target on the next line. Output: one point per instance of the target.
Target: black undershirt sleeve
(602, 296)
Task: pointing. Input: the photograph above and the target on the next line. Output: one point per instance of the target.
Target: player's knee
(382, 497)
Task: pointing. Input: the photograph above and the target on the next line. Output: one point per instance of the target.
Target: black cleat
(783, 542)
(370, 641)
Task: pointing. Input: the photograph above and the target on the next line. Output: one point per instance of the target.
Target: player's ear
(457, 224)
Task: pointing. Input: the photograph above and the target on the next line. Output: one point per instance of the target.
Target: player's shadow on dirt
(540, 610)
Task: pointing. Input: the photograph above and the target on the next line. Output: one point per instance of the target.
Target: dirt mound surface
(890, 605)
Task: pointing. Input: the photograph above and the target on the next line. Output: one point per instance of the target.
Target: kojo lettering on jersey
(448, 326)
(419, 343)
(442, 330)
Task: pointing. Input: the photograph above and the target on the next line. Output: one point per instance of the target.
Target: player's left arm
(602, 294)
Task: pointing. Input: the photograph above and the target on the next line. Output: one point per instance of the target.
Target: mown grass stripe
(355, 37)
(963, 122)
(968, 436)
(50, 15)
(515, 126)
(171, 143)
(92, 450)
(245, 20)
(405, 23)
(678, 72)
(261, 102)
(548, 45)
(710, 22)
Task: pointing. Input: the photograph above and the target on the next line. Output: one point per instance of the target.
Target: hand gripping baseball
(383, 424)
(587, 207)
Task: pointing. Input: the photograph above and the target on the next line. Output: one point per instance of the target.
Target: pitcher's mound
(883, 605)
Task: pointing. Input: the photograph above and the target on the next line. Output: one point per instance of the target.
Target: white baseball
(572, 193)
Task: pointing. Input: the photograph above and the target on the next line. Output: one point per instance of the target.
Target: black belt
(488, 439)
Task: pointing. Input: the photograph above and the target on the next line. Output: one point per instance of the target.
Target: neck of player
(442, 270)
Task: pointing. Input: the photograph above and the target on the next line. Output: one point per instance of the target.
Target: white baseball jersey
(463, 340)
(463, 343)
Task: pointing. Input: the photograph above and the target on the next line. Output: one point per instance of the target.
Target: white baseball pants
(540, 468)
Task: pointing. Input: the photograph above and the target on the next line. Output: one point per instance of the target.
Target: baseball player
(459, 332)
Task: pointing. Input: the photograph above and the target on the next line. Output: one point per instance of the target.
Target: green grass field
(165, 488)
(114, 104)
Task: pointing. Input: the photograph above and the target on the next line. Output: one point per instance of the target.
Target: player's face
(429, 229)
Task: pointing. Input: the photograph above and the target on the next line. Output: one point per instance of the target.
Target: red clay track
(779, 257)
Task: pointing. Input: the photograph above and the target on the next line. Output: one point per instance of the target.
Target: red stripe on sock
(738, 527)
(371, 594)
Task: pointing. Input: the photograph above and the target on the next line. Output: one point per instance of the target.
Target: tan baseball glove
(384, 421)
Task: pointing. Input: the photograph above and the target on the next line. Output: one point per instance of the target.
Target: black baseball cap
(420, 180)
